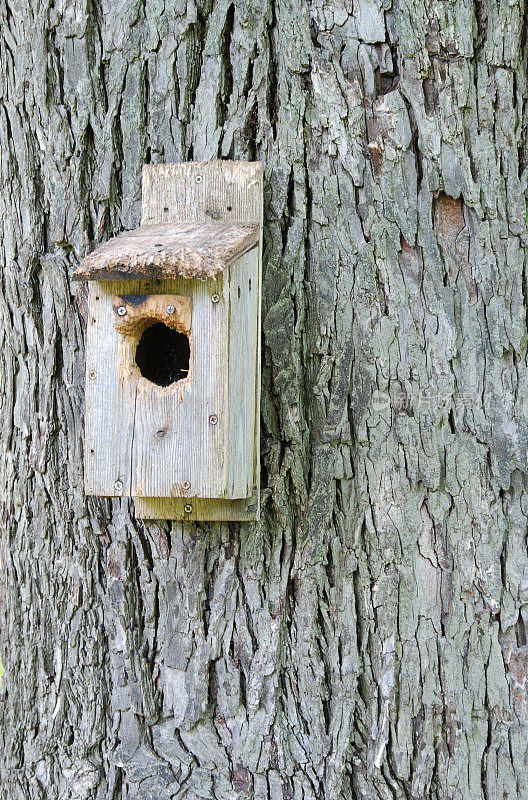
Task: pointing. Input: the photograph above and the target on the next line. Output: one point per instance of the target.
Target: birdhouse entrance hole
(163, 354)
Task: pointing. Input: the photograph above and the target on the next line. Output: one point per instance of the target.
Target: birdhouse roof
(169, 250)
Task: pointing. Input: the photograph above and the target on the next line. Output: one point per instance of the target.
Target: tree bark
(367, 638)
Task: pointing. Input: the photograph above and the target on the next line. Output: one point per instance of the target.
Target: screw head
(118, 486)
(92, 374)
(199, 178)
(121, 311)
(213, 419)
(187, 508)
(186, 485)
(215, 298)
(170, 309)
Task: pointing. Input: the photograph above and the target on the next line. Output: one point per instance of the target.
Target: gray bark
(367, 639)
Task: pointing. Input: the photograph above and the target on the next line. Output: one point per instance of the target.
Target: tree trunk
(367, 638)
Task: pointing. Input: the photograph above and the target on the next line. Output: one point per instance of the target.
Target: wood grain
(202, 510)
(195, 250)
(174, 443)
(224, 191)
(144, 435)
(109, 433)
(243, 364)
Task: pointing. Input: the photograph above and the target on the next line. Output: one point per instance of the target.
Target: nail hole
(239, 292)
(162, 355)
(250, 284)
(229, 208)
(166, 209)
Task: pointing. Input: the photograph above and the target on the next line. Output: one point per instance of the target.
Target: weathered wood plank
(192, 250)
(225, 191)
(175, 446)
(108, 432)
(158, 445)
(203, 510)
(243, 349)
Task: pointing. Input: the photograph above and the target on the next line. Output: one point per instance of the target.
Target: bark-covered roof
(188, 250)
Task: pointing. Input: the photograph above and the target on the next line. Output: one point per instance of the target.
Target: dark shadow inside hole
(162, 355)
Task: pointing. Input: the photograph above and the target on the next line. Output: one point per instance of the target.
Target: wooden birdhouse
(173, 343)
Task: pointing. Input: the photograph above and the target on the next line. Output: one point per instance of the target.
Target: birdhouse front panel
(157, 389)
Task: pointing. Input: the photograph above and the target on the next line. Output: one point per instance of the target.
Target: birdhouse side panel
(244, 416)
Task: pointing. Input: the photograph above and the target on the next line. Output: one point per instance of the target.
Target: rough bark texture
(367, 639)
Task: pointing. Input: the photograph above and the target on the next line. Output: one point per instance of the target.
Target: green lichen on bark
(367, 639)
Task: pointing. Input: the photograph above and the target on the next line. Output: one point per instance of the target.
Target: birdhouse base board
(203, 510)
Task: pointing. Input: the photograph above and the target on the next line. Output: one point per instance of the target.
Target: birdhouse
(172, 349)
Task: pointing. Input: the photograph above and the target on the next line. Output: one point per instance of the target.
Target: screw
(186, 485)
(92, 374)
(187, 508)
(215, 298)
(170, 309)
(199, 179)
(213, 419)
(121, 311)
(118, 486)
